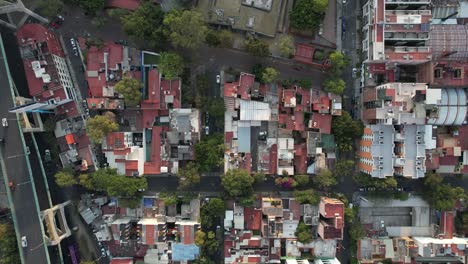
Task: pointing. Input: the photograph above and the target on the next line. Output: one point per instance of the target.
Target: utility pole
(10, 6)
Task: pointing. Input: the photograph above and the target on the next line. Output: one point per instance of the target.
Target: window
(457, 73)
(438, 73)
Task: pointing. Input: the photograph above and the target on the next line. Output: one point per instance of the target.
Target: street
(25, 205)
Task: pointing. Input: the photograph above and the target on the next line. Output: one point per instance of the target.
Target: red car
(57, 22)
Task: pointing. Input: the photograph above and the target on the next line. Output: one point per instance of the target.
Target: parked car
(24, 241)
(207, 130)
(73, 43)
(57, 22)
(2, 140)
(320, 29)
(4, 122)
(121, 42)
(218, 78)
(47, 156)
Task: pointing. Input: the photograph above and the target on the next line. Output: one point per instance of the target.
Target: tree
(211, 211)
(211, 245)
(338, 62)
(257, 70)
(325, 179)
(129, 88)
(346, 130)
(308, 14)
(144, 24)
(302, 180)
(237, 183)
(257, 47)
(92, 6)
(50, 8)
(387, 261)
(286, 46)
(349, 214)
(303, 233)
(186, 29)
(259, 177)
(306, 84)
(368, 181)
(216, 109)
(188, 176)
(200, 238)
(108, 180)
(344, 168)
(8, 245)
(286, 182)
(171, 65)
(225, 37)
(308, 196)
(335, 85)
(219, 38)
(85, 181)
(98, 127)
(209, 152)
(356, 231)
(65, 178)
(270, 75)
(441, 196)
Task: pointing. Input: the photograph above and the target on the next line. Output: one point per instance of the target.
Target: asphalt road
(26, 208)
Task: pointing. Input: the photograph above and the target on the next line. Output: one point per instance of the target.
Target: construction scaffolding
(449, 42)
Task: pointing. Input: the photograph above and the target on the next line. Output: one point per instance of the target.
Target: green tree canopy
(334, 85)
(257, 47)
(344, 168)
(211, 212)
(302, 180)
(368, 181)
(286, 46)
(186, 29)
(50, 8)
(441, 196)
(144, 24)
(200, 237)
(92, 6)
(99, 126)
(130, 89)
(171, 65)
(114, 184)
(270, 75)
(209, 152)
(65, 178)
(308, 14)
(259, 177)
(356, 231)
(325, 179)
(303, 233)
(346, 130)
(216, 109)
(219, 38)
(8, 245)
(308, 196)
(188, 176)
(338, 62)
(237, 183)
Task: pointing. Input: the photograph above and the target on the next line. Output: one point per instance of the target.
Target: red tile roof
(154, 88)
(333, 207)
(188, 235)
(447, 224)
(122, 261)
(148, 117)
(153, 166)
(149, 235)
(304, 53)
(273, 159)
(115, 140)
(170, 88)
(69, 109)
(321, 104)
(300, 158)
(252, 218)
(288, 95)
(131, 166)
(230, 89)
(322, 122)
(295, 208)
(254, 242)
(33, 33)
(448, 160)
(124, 4)
(228, 137)
(246, 81)
(227, 246)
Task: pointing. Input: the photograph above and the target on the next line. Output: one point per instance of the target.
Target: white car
(24, 241)
(4, 122)
(344, 2)
(207, 130)
(218, 78)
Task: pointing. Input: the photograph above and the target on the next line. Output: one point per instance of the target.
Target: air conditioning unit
(380, 167)
(381, 142)
(380, 158)
(381, 132)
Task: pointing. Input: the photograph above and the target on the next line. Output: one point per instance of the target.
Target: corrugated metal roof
(254, 110)
(244, 139)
